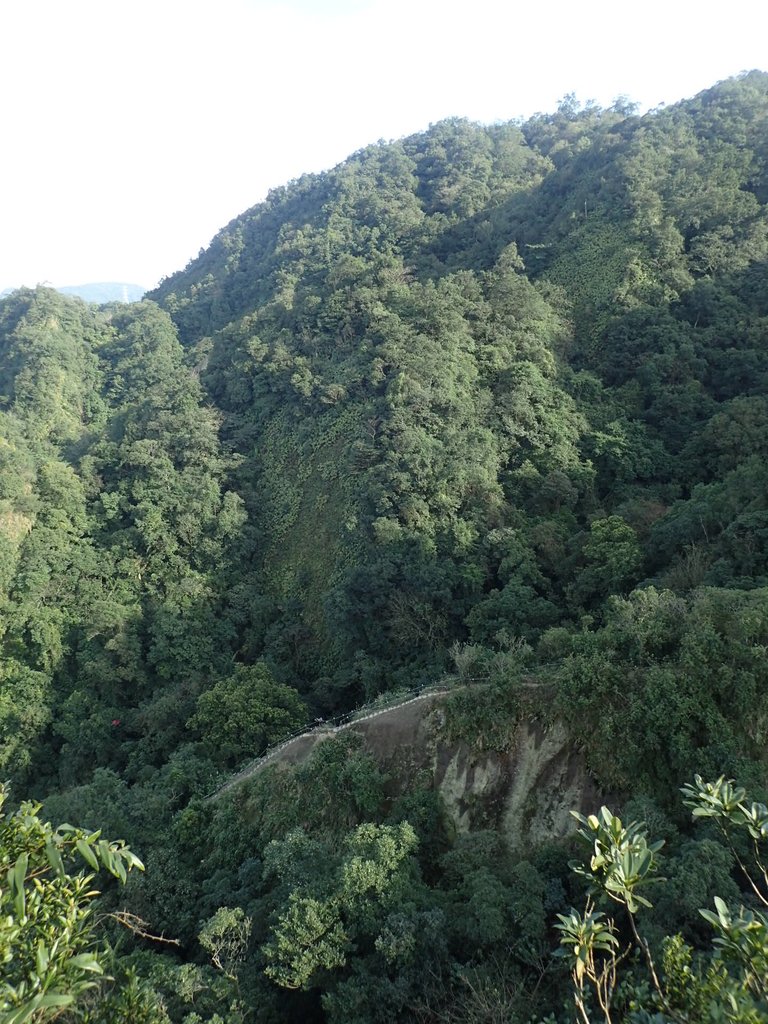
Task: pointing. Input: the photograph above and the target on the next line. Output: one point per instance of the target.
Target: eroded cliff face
(526, 791)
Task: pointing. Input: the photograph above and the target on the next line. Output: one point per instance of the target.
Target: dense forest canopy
(492, 397)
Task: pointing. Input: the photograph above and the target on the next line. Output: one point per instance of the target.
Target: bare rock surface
(527, 790)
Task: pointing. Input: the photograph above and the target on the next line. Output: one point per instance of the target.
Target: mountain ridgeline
(486, 405)
(482, 379)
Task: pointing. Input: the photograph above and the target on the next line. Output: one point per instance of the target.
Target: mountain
(483, 409)
(462, 367)
(100, 292)
(105, 291)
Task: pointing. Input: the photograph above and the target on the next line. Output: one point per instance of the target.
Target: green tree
(320, 925)
(613, 558)
(51, 953)
(242, 715)
(729, 983)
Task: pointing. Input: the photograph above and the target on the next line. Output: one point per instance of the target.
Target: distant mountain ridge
(99, 291)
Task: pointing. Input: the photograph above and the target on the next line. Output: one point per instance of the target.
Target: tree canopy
(486, 405)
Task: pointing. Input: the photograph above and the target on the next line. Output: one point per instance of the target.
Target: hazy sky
(133, 131)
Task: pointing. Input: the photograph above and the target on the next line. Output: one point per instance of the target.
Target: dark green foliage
(111, 539)
(52, 949)
(668, 684)
(490, 396)
(245, 714)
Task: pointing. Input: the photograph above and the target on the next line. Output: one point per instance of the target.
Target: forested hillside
(485, 404)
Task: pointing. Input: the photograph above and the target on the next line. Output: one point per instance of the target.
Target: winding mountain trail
(297, 748)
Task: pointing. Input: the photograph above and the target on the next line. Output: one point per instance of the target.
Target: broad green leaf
(55, 999)
(87, 962)
(87, 854)
(16, 878)
(54, 858)
(41, 958)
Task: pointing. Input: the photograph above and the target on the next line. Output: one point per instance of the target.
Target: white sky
(133, 131)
